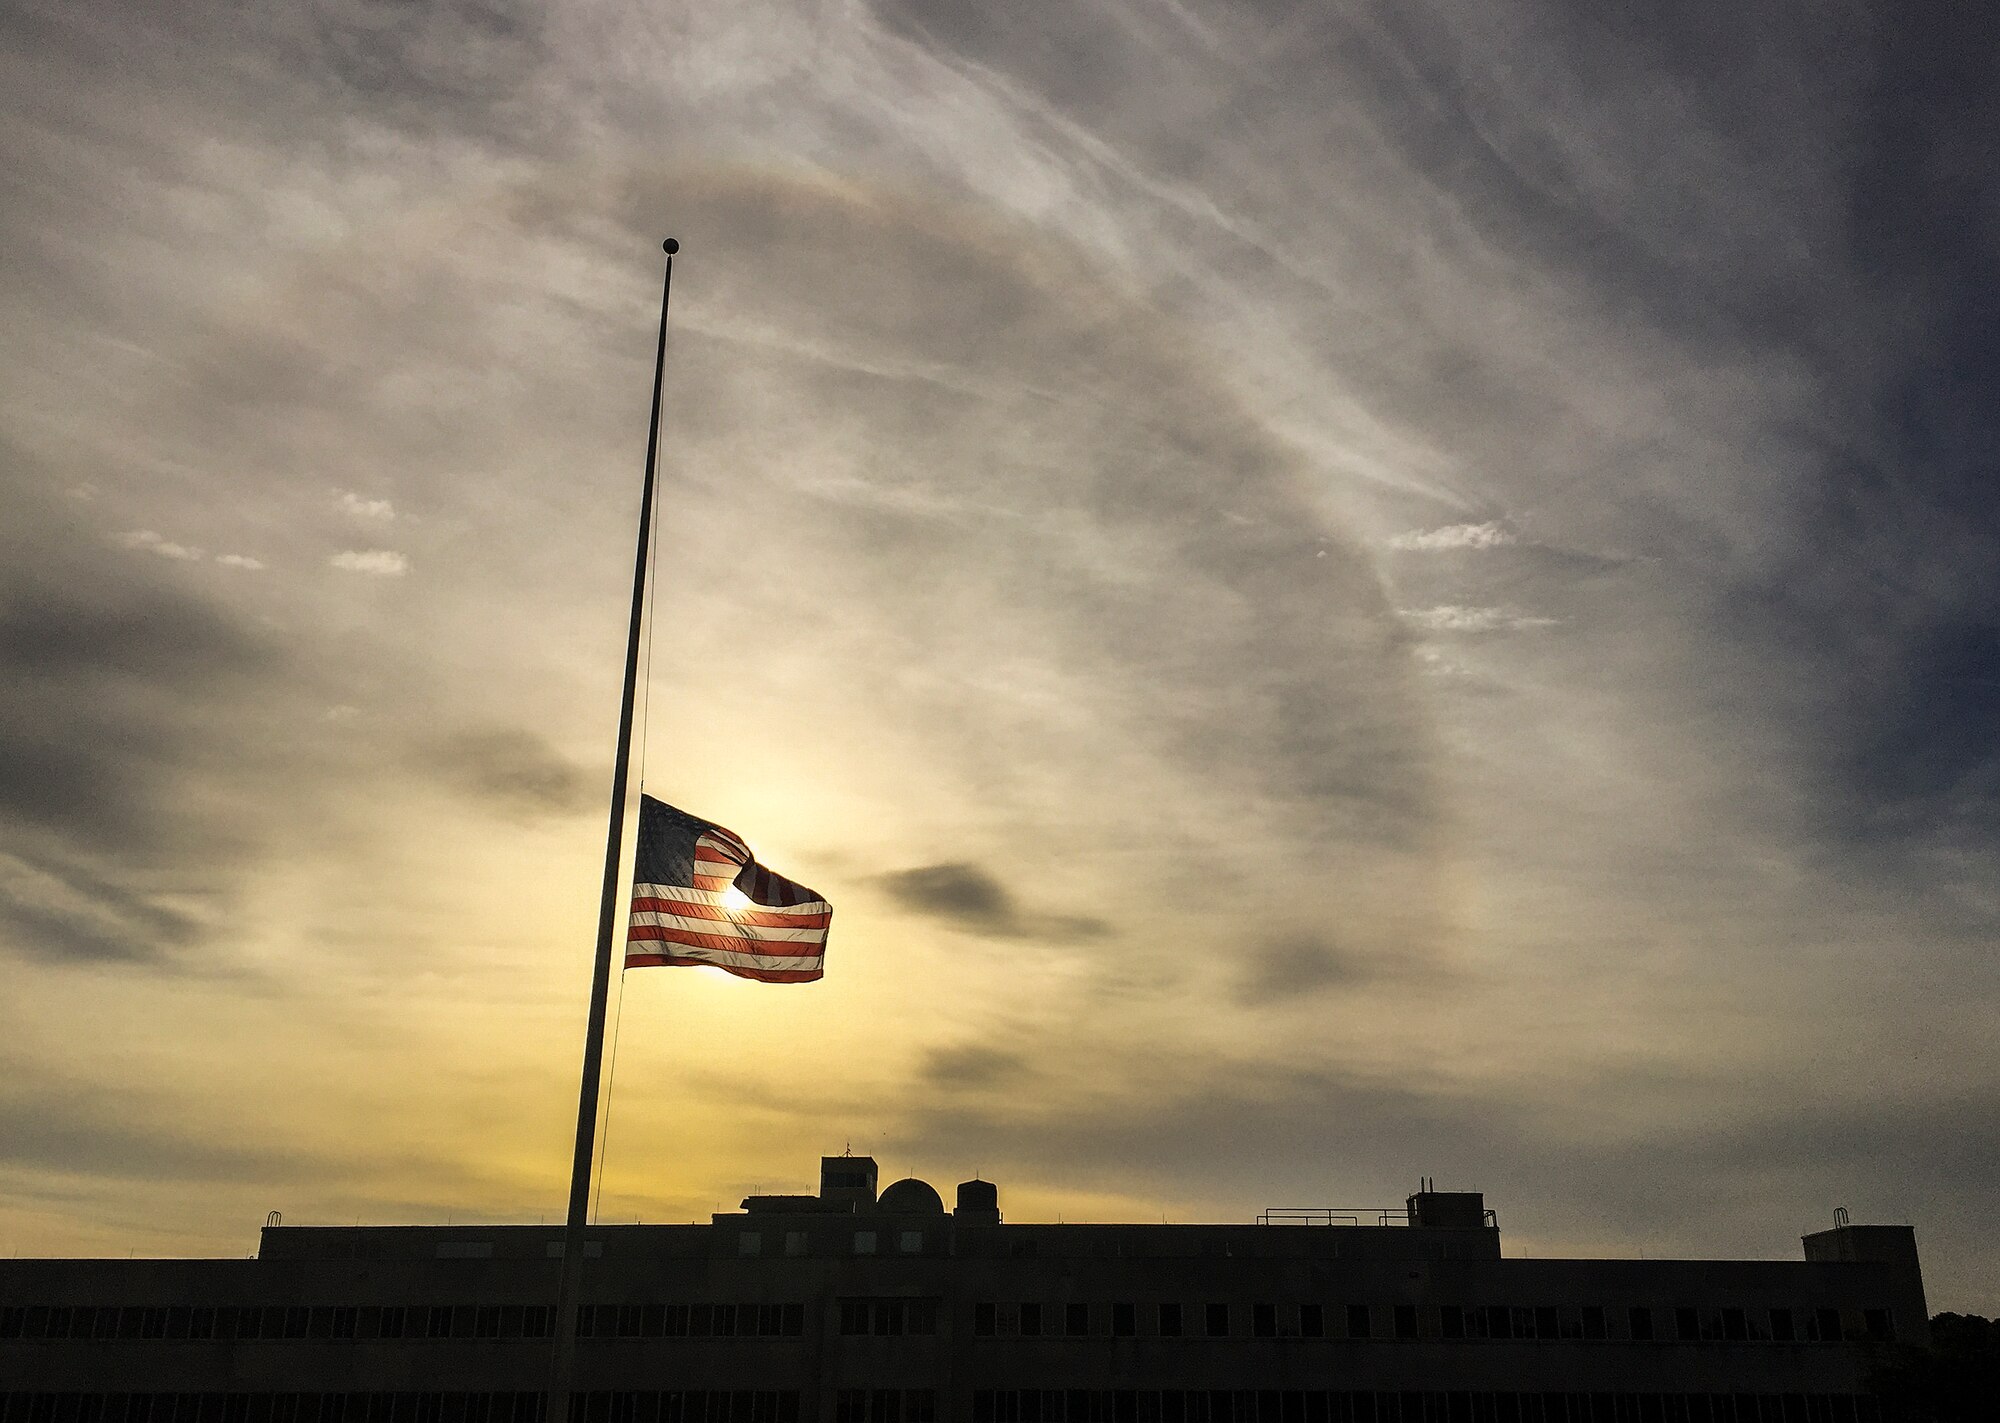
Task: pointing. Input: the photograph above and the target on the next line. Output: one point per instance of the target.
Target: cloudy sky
(1333, 591)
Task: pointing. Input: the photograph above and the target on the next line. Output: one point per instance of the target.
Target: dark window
(1593, 1321)
(534, 1321)
(1264, 1321)
(1500, 1321)
(1076, 1319)
(1735, 1325)
(177, 1322)
(201, 1324)
(888, 1316)
(296, 1320)
(10, 1322)
(486, 1324)
(1826, 1325)
(1406, 1321)
(1781, 1325)
(1357, 1321)
(1687, 1323)
(1170, 1320)
(920, 1316)
(982, 1319)
(1312, 1321)
(1124, 1319)
(1217, 1321)
(1451, 1321)
(1031, 1320)
(1642, 1322)
(795, 1319)
(1546, 1324)
(701, 1321)
(1878, 1324)
(854, 1316)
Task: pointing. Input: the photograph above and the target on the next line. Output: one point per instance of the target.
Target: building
(849, 1306)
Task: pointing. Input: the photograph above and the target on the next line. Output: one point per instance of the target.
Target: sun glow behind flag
(700, 897)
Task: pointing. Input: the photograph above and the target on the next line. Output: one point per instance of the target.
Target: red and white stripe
(679, 925)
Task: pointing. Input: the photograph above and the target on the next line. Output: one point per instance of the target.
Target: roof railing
(1348, 1215)
(1335, 1215)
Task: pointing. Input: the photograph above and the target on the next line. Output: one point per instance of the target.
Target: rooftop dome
(910, 1196)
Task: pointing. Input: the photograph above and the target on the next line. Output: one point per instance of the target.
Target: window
(750, 1242)
(1735, 1324)
(1170, 1320)
(1547, 1326)
(1124, 1319)
(982, 1319)
(1877, 1324)
(1217, 1321)
(1782, 1328)
(1031, 1320)
(910, 1242)
(1076, 1319)
(1406, 1321)
(864, 1242)
(1451, 1321)
(1357, 1321)
(1642, 1322)
(1687, 1323)
(1500, 1321)
(1264, 1321)
(1312, 1321)
(1593, 1321)
(1826, 1325)
(895, 1316)
(795, 1242)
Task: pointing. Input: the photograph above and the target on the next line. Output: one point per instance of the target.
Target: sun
(734, 900)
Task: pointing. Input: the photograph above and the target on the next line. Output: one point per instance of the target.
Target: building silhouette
(857, 1306)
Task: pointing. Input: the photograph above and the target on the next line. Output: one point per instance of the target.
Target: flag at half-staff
(700, 897)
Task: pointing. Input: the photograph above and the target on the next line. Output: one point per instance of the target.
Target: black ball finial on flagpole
(671, 246)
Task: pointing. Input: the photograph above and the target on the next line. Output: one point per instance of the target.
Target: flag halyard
(700, 897)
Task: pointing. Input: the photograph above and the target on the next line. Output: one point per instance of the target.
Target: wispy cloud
(379, 510)
(1491, 534)
(153, 543)
(375, 562)
(1452, 617)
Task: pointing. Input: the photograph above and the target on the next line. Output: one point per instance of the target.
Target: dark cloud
(513, 770)
(133, 714)
(972, 1066)
(1301, 964)
(970, 898)
(57, 1128)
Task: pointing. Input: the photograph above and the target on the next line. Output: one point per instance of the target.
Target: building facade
(853, 1306)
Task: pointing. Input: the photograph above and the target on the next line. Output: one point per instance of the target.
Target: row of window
(1684, 1323)
(854, 1405)
(690, 1321)
(1029, 1319)
(677, 1406)
(1319, 1406)
(750, 1243)
(289, 1408)
(438, 1321)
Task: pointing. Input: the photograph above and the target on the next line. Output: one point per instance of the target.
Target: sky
(1333, 592)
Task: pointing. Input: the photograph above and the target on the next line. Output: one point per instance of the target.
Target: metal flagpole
(607, 915)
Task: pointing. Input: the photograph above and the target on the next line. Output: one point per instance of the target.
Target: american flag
(700, 897)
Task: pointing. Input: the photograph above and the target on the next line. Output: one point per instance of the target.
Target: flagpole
(607, 914)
